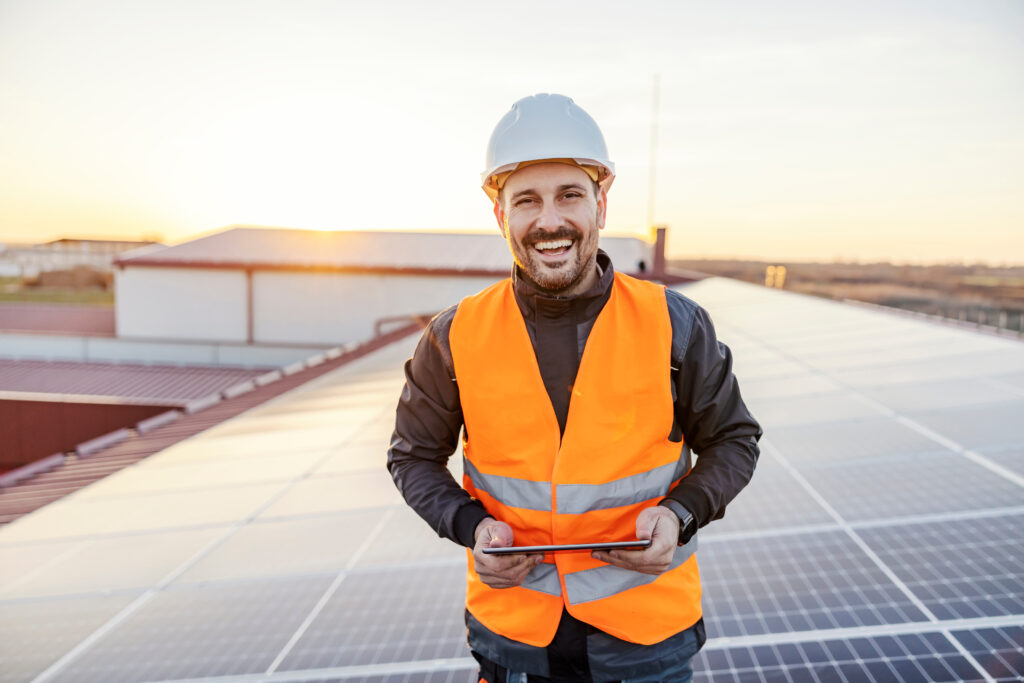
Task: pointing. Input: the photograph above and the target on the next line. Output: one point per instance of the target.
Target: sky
(788, 130)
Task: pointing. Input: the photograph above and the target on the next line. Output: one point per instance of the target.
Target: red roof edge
(66, 473)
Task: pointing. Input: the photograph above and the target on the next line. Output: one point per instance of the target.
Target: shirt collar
(532, 298)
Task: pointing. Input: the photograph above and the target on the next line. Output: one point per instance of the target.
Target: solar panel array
(881, 539)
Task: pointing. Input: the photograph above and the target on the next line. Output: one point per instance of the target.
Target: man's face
(550, 215)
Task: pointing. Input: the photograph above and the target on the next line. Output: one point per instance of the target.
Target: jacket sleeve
(428, 421)
(715, 422)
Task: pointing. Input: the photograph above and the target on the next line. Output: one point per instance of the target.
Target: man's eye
(524, 200)
(572, 195)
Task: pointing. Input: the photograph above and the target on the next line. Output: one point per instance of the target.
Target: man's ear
(499, 215)
(602, 208)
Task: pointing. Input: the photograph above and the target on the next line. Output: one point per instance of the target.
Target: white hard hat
(541, 127)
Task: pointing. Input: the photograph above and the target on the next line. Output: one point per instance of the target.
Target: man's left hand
(661, 526)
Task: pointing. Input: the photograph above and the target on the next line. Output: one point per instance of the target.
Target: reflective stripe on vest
(588, 483)
(602, 582)
(574, 499)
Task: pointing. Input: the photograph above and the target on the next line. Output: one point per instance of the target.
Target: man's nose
(550, 218)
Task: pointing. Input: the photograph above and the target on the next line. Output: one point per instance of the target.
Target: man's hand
(500, 571)
(661, 526)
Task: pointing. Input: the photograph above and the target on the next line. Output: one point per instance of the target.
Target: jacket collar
(536, 302)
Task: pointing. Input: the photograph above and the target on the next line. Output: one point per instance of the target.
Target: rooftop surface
(165, 385)
(244, 246)
(882, 537)
(94, 321)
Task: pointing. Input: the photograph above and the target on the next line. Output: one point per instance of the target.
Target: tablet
(627, 545)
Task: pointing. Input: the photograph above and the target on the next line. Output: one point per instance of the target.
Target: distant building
(272, 286)
(29, 260)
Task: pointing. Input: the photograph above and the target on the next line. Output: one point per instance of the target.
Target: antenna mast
(651, 180)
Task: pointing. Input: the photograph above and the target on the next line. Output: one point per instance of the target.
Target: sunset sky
(788, 130)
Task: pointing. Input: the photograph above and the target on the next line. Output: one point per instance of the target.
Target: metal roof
(74, 319)
(165, 385)
(881, 539)
(253, 247)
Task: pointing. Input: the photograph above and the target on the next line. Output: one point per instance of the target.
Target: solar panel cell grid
(796, 410)
(376, 616)
(796, 582)
(405, 539)
(999, 650)
(848, 440)
(111, 564)
(958, 568)
(902, 659)
(910, 485)
(325, 494)
(1012, 459)
(37, 633)
(797, 385)
(926, 396)
(460, 676)
(994, 425)
(773, 500)
(300, 546)
(209, 630)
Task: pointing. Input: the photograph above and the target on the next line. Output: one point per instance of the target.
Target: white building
(29, 260)
(279, 287)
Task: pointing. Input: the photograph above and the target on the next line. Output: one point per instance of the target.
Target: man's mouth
(553, 247)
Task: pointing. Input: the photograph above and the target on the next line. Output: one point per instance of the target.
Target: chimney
(659, 252)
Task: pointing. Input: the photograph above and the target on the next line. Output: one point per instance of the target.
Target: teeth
(556, 244)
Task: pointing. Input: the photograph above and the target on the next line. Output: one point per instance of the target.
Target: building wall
(107, 350)
(334, 308)
(30, 430)
(181, 304)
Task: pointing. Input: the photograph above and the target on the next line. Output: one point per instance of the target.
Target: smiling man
(579, 393)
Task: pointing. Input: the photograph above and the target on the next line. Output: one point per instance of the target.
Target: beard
(561, 275)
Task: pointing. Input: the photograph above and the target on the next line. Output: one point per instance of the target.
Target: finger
(501, 563)
(646, 522)
(611, 558)
(499, 535)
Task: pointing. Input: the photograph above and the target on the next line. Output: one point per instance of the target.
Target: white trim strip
(368, 670)
(908, 628)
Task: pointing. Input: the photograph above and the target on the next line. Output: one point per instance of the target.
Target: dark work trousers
(567, 660)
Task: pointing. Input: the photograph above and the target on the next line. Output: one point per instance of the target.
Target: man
(575, 386)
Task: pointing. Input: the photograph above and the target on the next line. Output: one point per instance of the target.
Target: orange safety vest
(588, 484)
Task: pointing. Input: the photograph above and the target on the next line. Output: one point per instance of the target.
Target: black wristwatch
(687, 524)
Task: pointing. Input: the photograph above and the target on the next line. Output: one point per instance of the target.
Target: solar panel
(906, 658)
(850, 441)
(37, 633)
(899, 486)
(796, 582)
(813, 408)
(870, 546)
(959, 568)
(205, 630)
(773, 500)
(999, 650)
(387, 615)
(995, 425)
(1012, 459)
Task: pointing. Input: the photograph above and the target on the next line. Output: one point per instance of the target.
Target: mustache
(563, 232)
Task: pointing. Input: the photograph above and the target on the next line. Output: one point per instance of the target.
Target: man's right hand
(500, 571)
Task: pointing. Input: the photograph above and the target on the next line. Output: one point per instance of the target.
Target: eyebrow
(561, 188)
